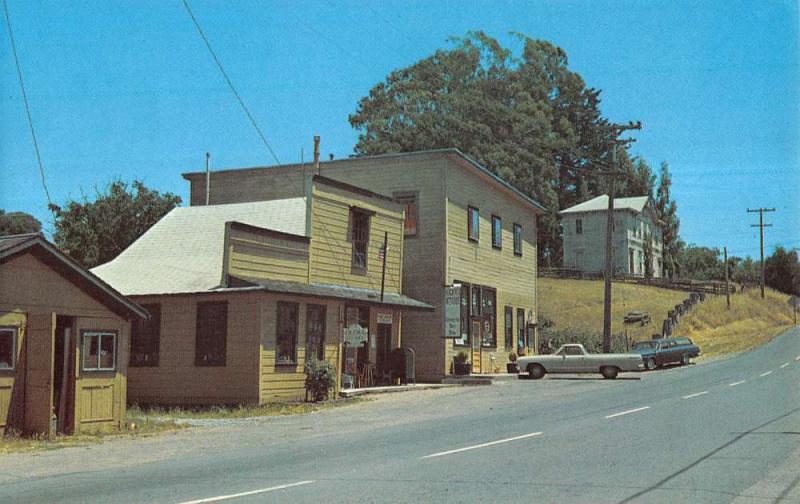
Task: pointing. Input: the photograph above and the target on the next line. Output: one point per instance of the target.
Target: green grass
(237, 411)
(136, 425)
(576, 307)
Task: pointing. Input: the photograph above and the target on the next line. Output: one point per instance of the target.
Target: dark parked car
(656, 353)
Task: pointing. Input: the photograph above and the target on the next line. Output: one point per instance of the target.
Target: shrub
(461, 357)
(320, 379)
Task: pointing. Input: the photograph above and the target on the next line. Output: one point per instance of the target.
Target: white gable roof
(600, 203)
(183, 252)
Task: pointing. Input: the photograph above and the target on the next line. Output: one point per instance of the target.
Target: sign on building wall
(384, 318)
(355, 335)
(452, 311)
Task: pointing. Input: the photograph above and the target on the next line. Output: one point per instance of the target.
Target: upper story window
(517, 239)
(578, 226)
(211, 333)
(473, 224)
(145, 338)
(497, 232)
(359, 236)
(99, 351)
(8, 347)
(409, 199)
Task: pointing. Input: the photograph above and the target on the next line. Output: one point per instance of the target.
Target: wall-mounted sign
(384, 318)
(452, 311)
(355, 335)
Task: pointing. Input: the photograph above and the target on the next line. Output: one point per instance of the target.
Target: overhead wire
(27, 107)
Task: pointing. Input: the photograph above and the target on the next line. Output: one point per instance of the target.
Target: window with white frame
(8, 347)
(99, 351)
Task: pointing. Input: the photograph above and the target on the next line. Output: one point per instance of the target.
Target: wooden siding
(331, 248)
(176, 379)
(34, 292)
(12, 381)
(479, 263)
(263, 256)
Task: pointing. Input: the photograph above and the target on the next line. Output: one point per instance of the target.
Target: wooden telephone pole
(609, 270)
(727, 284)
(761, 225)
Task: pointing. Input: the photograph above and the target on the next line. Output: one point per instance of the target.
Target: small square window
(497, 232)
(517, 239)
(8, 347)
(99, 351)
(473, 224)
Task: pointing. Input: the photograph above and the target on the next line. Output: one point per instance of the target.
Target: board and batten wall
(260, 254)
(32, 296)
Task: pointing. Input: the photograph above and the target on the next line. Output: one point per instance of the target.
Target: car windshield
(643, 345)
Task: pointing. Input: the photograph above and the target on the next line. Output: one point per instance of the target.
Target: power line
(27, 105)
(228, 80)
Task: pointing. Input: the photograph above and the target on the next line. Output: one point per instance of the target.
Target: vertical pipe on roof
(208, 178)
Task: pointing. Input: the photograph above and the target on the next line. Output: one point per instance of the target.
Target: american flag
(382, 252)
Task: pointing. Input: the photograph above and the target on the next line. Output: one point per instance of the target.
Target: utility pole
(761, 225)
(727, 285)
(609, 270)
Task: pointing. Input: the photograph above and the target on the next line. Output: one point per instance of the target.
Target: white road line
(736, 383)
(482, 445)
(766, 374)
(245, 494)
(629, 411)
(784, 365)
(695, 395)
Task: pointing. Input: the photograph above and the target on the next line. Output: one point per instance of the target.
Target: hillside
(750, 322)
(576, 308)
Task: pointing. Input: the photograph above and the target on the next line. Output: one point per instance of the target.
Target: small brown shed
(64, 337)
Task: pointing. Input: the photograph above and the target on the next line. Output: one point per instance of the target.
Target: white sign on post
(452, 311)
(355, 335)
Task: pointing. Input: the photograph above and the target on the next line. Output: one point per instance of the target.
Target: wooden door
(39, 347)
(477, 337)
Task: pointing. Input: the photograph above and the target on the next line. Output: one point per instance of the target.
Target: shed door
(39, 343)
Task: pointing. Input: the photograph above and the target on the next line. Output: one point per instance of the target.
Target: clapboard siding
(176, 379)
(256, 255)
(331, 246)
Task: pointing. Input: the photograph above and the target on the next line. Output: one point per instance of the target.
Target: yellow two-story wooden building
(242, 295)
(463, 226)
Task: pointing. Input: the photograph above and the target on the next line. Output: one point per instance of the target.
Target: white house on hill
(584, 233)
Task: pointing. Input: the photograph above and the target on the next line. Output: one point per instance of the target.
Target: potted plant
(460, 364)
(511, 365)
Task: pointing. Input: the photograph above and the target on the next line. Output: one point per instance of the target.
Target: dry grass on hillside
(750, 322)
(578, 305)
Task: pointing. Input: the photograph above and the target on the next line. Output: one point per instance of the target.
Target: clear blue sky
(127, 90)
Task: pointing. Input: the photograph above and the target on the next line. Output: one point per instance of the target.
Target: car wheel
(650, 364)
(536, 371)
(685, 360)
(609, 372)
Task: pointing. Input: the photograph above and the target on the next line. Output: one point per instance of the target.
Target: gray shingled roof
(600, 203)
(336, 292)
(183, 252)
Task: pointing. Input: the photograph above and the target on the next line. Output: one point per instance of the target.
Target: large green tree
(14, 223)
(94, 232)
(782, 271)
(525, 116)
(701, 263)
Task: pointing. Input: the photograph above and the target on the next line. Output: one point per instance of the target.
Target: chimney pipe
(208, 178)
(316, 154)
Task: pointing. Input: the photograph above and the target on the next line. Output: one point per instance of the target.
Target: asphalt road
(724, 431)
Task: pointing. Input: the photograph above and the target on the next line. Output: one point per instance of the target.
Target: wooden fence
(709, 287)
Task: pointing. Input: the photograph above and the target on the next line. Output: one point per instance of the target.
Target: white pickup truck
(573, 358)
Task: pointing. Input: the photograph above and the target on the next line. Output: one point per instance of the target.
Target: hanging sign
(452, 311)
(355, 335)
(384, 318)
